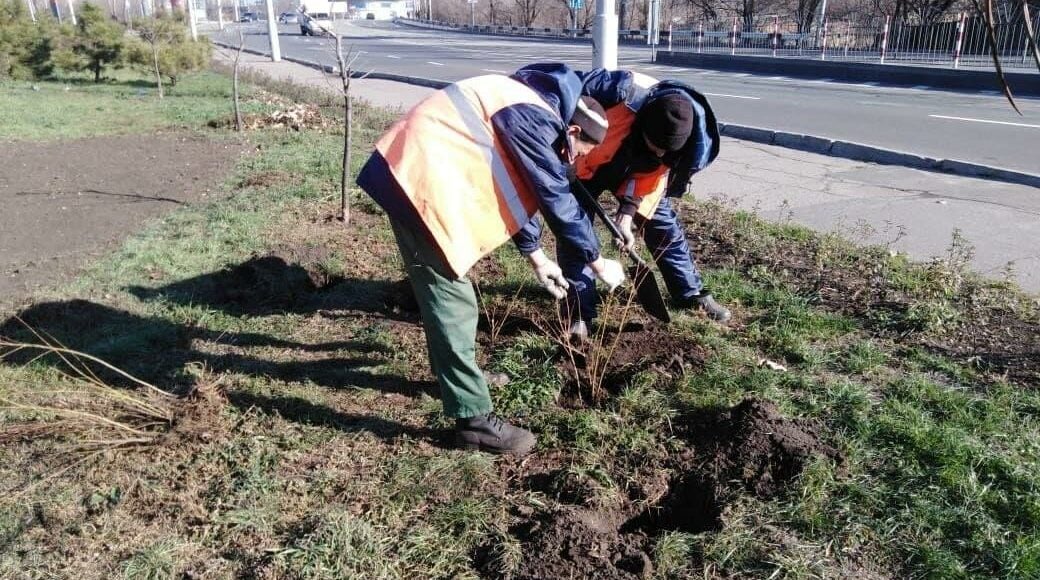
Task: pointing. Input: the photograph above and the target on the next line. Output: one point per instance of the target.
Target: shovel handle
(602, 213)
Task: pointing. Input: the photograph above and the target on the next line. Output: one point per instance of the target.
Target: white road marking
(733, 96)
(391, 56)
(494, 70)
(435, 63)
(986, 121)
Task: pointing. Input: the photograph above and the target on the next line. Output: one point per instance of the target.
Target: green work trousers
(448, 306)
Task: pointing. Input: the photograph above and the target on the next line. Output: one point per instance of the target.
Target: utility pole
(823, 17)
(191, 20)
(237, 15)
(604, 36)
(32, 9)
(473, 13)
(72, 12)
(272, 33)
(220, 16)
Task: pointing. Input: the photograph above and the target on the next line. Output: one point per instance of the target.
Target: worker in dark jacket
(458, 176)
(660, 134)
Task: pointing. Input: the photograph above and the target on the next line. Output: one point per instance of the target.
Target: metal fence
(957, 43)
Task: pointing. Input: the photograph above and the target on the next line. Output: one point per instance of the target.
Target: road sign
(575, 4)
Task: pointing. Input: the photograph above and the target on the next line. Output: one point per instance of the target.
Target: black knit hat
(590, 116)
(667, 121)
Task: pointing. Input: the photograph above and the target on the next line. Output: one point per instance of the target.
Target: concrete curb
(869, 153)
(798, 141)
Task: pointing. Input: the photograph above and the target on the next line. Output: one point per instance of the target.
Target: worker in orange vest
(659, 135)
(459, 175)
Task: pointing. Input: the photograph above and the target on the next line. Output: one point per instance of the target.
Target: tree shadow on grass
(105, 82)
(271, 284)
(159, 351)
(304, 412)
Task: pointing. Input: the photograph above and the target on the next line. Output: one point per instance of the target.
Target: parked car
(288, 18)
(370, 16)
(249, 17)
(311, 24)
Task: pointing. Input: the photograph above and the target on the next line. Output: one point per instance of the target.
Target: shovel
(648, 293)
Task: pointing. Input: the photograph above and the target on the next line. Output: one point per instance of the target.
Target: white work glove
(624, 225)
(609, 272)
(549, 274)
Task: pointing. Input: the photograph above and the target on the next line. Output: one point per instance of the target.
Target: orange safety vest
(449, 163)
(647, 187)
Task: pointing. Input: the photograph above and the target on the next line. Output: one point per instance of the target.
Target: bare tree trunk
(344, 75)
(158, 75)
(234, 76)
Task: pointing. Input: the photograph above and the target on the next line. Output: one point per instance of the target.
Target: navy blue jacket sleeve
(529, 238)
(530, 136)
(607, 87)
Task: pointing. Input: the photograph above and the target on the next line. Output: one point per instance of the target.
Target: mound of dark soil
(640, 347)
(751, 444)
(756, 445)
(583, 544)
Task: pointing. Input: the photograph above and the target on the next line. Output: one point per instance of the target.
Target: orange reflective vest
(647, 187)
(453, 172)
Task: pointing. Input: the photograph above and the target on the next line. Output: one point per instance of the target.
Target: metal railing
(634, 36)
(956, 43)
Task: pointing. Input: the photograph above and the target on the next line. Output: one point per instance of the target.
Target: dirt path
(67, 202)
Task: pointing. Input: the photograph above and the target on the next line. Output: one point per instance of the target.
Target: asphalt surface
(980, 128)
(909, 210)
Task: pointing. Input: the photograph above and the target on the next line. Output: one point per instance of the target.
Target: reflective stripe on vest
(450, 165)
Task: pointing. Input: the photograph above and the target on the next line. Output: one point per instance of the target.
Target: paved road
(862, 201)
(980, 128)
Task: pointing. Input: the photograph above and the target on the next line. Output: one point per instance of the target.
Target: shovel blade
(648, 293)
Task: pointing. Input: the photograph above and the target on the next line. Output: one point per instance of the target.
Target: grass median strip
(862, 416)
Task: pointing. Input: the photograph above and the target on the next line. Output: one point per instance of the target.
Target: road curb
(869, 153)
(798, 141)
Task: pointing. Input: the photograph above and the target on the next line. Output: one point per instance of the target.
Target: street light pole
(605, 36)
(191, 20)
(272, 33)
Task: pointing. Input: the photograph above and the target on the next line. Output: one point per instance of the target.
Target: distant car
(288, 18)
(249, 17)
(370, 16)
(312, 24)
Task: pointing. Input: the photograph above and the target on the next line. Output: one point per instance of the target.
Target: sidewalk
(866, 202)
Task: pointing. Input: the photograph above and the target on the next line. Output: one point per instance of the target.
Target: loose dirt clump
(640, 347)
(578, 543)
(754, 444)
(751, 444)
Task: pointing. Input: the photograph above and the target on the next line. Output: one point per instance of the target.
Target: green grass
(322, 457)
(49, 110)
